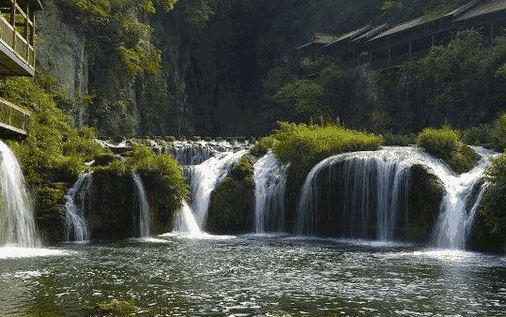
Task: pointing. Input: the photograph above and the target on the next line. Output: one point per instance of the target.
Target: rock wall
(61, 51)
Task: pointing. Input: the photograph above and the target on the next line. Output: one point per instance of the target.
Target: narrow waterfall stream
(75, 199)
(205, 177)
(270, 183)
(17, 224)
(186, 223)
(144, 210)
(455, 216)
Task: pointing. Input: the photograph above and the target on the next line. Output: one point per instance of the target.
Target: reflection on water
(256, 276)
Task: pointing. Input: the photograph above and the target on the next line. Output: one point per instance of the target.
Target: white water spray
(371, 185)
(270, 183)
(144, 210)
(77, 227)
(17, 225)
(186, 223)
(455, 217)
(205, 177)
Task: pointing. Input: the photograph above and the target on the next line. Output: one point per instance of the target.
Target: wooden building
(17, 58)
(386, 46)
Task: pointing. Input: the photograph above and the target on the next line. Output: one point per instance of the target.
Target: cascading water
(186, 222)
(77, 227)
(455, 216)
(17, 225)
(144, 210)
(270, 184)
(205, 177)
(370, 189)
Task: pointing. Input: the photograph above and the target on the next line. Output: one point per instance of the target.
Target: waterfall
(17, 224)
(186, 222)
(197, 152)
(361, 194)
(205, 177)
(270, 182)
(357, 192)
(77, 227)
(144, 211)
(455, 216)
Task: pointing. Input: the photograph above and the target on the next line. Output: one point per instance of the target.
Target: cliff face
(61, 50)
(214, 56)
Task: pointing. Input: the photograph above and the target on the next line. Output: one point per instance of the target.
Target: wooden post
(13, 24)
(27, 26)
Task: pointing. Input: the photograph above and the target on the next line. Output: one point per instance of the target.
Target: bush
(447, 144)
(306, 145)
(500, 131)
(144, 160)
(491, 221)
(303, 96)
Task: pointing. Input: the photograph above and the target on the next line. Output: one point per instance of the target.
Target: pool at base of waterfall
(264, 275)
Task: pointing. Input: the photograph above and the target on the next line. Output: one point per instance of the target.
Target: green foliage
(451, 74)
(318, 65)
(393, 139)
(198, 13)
(54, 151)
(116, 33)
(492, 214)
(379, 121)
(500, 131)
(480, 135)
(263, 146)
(166, 167)
(447, 144)
(113, 119)
(277, 78)
(303, 96)
(305, 145)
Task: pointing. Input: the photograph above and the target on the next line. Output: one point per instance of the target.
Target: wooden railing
(15, 41)
(13, 118)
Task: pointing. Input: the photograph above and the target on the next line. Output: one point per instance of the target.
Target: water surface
(254, 276)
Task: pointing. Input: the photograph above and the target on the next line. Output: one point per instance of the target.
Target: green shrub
(166, 167)
(500, 131)
(308, 144)
(483, 134)
(447, 144)
(491, 220)
(393, 139)
(303, 96)
(263, 146)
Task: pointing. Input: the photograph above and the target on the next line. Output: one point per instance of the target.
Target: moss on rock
(489, 231)
(425, 195)
(50, 211)
(231, 209)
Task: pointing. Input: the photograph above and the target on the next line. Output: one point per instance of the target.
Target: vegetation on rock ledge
(447, 144)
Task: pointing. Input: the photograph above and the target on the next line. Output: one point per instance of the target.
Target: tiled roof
(349, 36)
(484, 8)
(373, 32)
